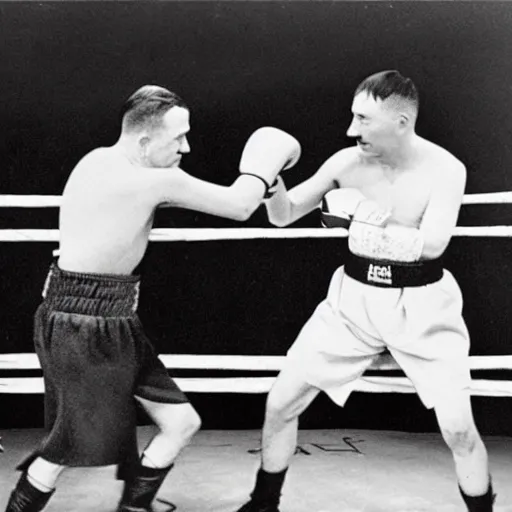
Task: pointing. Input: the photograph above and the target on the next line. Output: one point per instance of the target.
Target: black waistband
(91, 294)
(392, 274)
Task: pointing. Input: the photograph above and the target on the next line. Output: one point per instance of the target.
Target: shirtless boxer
(93, 351)
(399, 195)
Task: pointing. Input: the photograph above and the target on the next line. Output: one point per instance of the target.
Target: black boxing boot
(26, 498)
(267, 492)
(141, 487)
(481, 503)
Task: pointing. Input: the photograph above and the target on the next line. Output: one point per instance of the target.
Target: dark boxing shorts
(95, 357)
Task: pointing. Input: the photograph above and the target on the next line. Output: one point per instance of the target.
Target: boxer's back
(106, 215)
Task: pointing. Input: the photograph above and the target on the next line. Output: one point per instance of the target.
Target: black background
(66, 67)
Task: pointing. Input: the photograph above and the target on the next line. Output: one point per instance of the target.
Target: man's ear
(143, 142)
(404, 120)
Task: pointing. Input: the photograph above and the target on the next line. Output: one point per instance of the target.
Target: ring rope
(30, 361)
(371, 384)
(253, 385)
(209, 234)
(212, 234)
(256, 363)
(50, 201)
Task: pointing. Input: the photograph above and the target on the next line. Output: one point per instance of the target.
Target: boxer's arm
(267, 152)
(176, 188)
(428, 241)
(285, 207)
(393, 242)
(440, 217)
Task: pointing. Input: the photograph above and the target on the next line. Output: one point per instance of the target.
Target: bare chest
(406, 194)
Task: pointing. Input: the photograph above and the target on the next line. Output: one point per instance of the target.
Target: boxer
(399, 196)
(96, 360)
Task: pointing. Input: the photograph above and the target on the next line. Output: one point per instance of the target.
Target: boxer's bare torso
(106, 214)
(425, 191)
(109, 202)
(406, 191)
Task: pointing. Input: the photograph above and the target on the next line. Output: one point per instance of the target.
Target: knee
(462, 439)
(183, 426)
(278, 410)
(191, 424)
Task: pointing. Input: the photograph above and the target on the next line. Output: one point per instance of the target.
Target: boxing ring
(374, 384)
(368, 458)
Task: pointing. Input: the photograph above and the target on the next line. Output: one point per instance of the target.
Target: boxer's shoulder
(100, 156)
(341, 164)
(436, 157)
(104, 174)
(346, 158)
(98, 164)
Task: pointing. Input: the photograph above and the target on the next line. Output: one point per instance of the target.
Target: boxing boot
(254, 506)
(267, 492)
(26, 498)
(140, 489)
(481, 503)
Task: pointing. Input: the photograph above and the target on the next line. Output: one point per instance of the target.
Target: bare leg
(177, 425)
(458, 428)
(288, 399)
(35, 487)
(43, 474)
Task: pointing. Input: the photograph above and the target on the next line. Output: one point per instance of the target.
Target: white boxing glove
(369, 212)
(339, 206)
(392, 243)
(268, 152)
(342, 206)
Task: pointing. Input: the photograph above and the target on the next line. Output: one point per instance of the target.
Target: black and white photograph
(256, 256)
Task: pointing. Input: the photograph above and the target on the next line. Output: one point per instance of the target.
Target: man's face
(374, 125)
(169, 142)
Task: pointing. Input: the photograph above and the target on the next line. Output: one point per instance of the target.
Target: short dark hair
(388, 83)
(146, 107)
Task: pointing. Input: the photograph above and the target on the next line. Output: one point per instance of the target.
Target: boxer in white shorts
(399, 196)
(422, 327)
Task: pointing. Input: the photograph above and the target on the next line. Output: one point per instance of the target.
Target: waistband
(91, 294)
(392, 274)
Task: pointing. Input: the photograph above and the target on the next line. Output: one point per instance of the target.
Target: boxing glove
(269, 151)
(339, 206)
(342, 206)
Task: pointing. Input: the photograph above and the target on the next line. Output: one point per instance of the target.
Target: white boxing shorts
(421, 326)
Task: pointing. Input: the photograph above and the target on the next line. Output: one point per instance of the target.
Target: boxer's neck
(127, 147)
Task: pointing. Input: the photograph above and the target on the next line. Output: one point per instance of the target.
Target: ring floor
(332, 471)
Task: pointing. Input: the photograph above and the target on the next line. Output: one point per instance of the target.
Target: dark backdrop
(66, 67)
